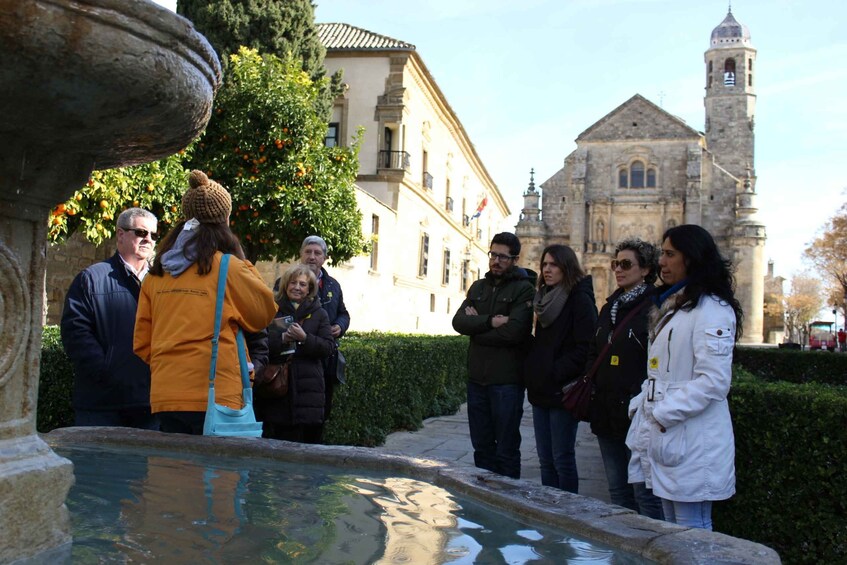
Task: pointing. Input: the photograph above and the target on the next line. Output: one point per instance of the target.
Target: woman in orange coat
(176, 309)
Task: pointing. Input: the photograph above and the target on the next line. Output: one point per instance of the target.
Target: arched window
(636, 175)
(651, 178)
(729, 72)
(623, 181)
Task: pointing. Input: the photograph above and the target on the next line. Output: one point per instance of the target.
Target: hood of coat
(513, 274)
(586, 286)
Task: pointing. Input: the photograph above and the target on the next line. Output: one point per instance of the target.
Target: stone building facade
(640, 170)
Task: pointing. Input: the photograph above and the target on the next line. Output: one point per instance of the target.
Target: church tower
(730, 103)
(530, 228)
(731, 96)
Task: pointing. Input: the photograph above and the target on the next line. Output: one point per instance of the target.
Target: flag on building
(480, 208)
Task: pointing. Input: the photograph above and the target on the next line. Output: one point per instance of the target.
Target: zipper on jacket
(670, 335)
(633, 336)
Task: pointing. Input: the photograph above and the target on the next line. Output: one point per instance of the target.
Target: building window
(432, 303)
(729, 72)
(374, 242)
(636, 176)
(331, 139)
(423, 263)
(445, 268)
(466, 275)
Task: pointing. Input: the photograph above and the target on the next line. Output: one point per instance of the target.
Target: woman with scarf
(300, 414)
(175, 322)
(565, 318)
(681, 434)
(621, 339)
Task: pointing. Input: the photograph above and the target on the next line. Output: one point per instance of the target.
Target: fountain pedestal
(84, 84)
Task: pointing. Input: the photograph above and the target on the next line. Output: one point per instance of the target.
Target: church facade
(640, 170)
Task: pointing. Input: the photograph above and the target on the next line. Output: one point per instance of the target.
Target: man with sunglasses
(497, 315)
(111, 384)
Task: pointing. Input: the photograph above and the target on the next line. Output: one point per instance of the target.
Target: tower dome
(730, 33)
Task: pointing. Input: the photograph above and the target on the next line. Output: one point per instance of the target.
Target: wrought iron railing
(394, 160)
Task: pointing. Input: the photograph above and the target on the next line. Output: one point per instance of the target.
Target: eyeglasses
(143, 233)
(499, 257)
(624, 264)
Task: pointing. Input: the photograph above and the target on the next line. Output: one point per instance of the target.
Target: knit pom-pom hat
(206, 200)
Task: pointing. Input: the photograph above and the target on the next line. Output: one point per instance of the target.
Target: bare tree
(802, 304)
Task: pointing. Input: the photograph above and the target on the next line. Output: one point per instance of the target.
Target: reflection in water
(150, 507)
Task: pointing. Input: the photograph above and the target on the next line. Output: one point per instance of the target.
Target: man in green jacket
(497, 315)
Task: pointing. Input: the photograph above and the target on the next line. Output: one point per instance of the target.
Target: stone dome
(730, 33)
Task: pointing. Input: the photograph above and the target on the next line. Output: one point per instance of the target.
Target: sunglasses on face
(143, 233)
(624, 264)
(499, 257)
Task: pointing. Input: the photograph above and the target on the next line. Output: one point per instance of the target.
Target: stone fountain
(84, 85)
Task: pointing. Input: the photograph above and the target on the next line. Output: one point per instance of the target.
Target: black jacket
(98, 322)
(305, 401)
(495, 356)
(558, 351)
(623, 368)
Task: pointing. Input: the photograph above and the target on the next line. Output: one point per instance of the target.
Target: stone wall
(64, 261)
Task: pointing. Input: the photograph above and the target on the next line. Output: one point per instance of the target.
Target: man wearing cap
(111, 384)
(313, 252)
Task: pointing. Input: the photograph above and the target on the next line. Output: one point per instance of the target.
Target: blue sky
(526, 78)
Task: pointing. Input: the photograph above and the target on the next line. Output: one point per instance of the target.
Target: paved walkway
(446, 438)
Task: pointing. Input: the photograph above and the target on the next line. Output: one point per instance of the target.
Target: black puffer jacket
(558, 351)
(304, 403)
(623, 369)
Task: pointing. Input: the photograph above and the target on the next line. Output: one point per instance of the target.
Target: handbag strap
(608, 345)
(239, 337)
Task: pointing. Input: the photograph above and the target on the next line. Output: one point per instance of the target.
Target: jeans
(494, 419)
(555, 441)
(140, 418)
(635, 496)
(691, 514)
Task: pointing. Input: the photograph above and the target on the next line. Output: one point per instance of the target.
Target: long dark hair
(564, 258)
(708, 272)
(210, 239)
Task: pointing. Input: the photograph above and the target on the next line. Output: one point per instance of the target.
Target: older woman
(621, 338)
(300, 414)
(175, 318)
(681, 434)
(565, 313)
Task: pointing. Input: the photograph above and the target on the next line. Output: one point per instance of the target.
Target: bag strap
(239, 337)
(608, 345)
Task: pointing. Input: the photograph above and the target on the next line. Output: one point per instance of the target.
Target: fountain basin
(585, 518)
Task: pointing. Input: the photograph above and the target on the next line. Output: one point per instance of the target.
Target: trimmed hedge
(386, 390)
(792, 365)
(394, 382)
(55, 384)
(791, 457)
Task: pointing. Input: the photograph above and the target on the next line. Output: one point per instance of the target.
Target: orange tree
(265, 143)
(94, 208)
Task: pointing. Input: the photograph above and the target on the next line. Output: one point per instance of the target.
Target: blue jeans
(494, 419)
(635, 496)
(691, 514)
(555, 441)
(126, 418)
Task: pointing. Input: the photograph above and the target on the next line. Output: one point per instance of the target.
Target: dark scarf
(548, 304)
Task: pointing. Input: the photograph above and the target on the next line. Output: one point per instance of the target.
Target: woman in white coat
(681, 434)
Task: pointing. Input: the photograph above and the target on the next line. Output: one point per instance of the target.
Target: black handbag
(576, 395)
